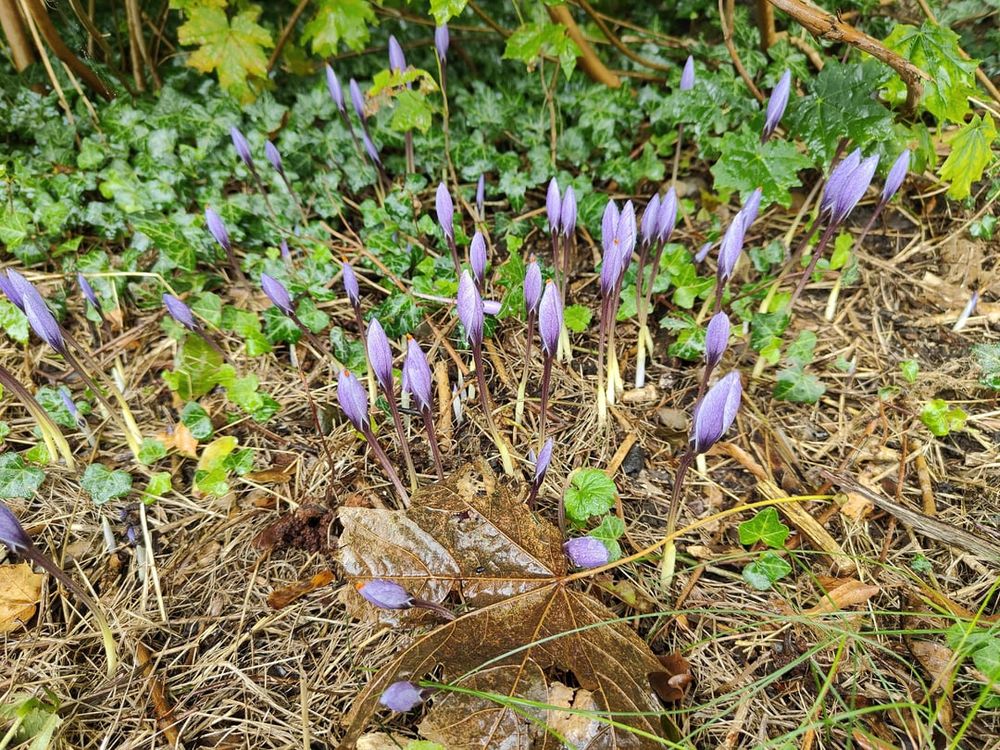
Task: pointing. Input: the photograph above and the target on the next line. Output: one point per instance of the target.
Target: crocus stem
(432, 439)
(871, 222)
(454, 256)
(484, 396)
(403, 443)
(53, 437)
(677, 153)
(444, 612)
(640, 357)
(522, 386)
(408, 142)
(314, 341)
(387, 467)
(817, 253)
(362, 333)
(532, 495)
(546, 378)
(214, 346)
(669, 561)
(602, 405)
(124, 419)
(298, 203)
(354, 136)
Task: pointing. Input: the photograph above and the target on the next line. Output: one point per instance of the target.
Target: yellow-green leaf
(970, 155)
(339, 21)
(216, 451)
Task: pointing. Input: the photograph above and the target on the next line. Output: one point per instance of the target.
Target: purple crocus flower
(441, 41)
(481, 196)
(776, 104)
(687, 75)
(286, 254)
(550, 318)
(88, 292)
(353, 399)
(470, 309)
(702, 252)
(402, 696)
(69, 403)
(277, 293)
(532, 285)
(477, 257)
(445, 209)
(568, 214)
(180, 312)
(731, 247)
(350, 284)
(854, 188)
(896, 175)
(242, 146)
(492, 307)
(626, 236)
(397, 60)
(12, 533)
(542, 462)
(380, 354)
(370, 148)
(647, 226)
(336, 92)
(218, 230)
(716, 339)
(43, 322)
(609, 241)
(274, 156)
(10, 291)
(666, 218)
(357, 99)
(385, 594)
(586, 552)
(751, 207)
(417, 379)
(840, 175)
(715, 413)
(553, 206)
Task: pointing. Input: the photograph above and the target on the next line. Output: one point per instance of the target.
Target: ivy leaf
(15, 227)
(412, 112)
(159, 485)
(531, 40)
(17, 479)
(745, 164)
(590, 493)
(764, 527)
(198, 369)
(970, 155)
(338, 21)
(103, 484)
(796, 385)
(151, 451)
(399, 315)
(234, 49)
(988, 358)
(444, 10)
(765, 571)
(934, 49)
(196, 419)
(350, 353)
(609, 531)
(910, 369)
(800, 351)
(577, 318)
(940, 418)
(14, 322)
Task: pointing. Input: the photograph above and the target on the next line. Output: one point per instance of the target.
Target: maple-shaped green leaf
(444, 10)
(232, 47)
(935, 50)
(971, 153)
(746, 164)
(412, 112)
(339, 21)
(531, 40)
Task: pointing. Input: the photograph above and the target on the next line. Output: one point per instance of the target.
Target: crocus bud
(385, 594)
(550, 318)
(481, 196)
(553, 206)
(336, 92)
(751, 207)
(477, 257)
(854, 189)
(180, 312)
(277, 293)
(357, 99)
(353, 399)
(242, 146)
(417, 374)
(666, 219)
(896, 175)
(568, 213)
(470, 309)
(716, 339)
(350, 284)
(492, 307)
(397, 60)
(274, 156)
(445, 210)
(731, 247)
(69, 403)
(88, 292)
(715, 413)
(626, 238)
(218, 230)
(12, 534)
(609, 241)
(840, 175)
(687, 75)
(702, 252)
(647, 227)
(286, 254)
(10, 290)
(441, 40)
(402, 696)
(380, 354)
(586, 552)
(370, 148)
(43, 322)
(532, 285)
(542, 463)
(776, 104)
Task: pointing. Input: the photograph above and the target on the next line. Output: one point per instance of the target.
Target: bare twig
(617, 43)
(765, 22)
(589, 62)
(286, 33)
(17, 39)
(726, 11)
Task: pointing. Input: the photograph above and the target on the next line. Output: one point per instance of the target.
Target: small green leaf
(577, 318)
(103, 484)
(159, 485)
(151, 451)
(800, 351)
(988, 358)
(910, 368)
(350, 353)
(16, 479)
(796, 385)
(37, 454)
(590, 493)
(412, 112)
(14, 322)
(196, 419)
(531, 40)
(445, 10)
(941, 419)
(311, 316)
(608, 532)
(764, 527)
(338, 21)
(971, 153)
(762, 573)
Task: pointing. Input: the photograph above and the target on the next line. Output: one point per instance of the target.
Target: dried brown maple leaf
(478, 539)
(20, 591)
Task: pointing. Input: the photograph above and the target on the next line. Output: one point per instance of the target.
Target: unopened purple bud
(626, 237)
(854, 190)
(20, 288)
(445, 209)
(477, 257)
(568, 214)
(286, 254)
(896, 175)
(481, 196)
(180, 312)
(666, 220)
(553, 206)
(357, 99)
(397, 60)
(715, 413)
(370, 148)
(12, 534)
(492, 307)
(609, 226)
(336, 92)
(385, 594)
(402, 696)
(647, 227)
(716, 339)
(702, 253)
(550, 318)
(839, 177)
(10, 289)
(776, 104)
(242, 146)
(277, 293)
(69, 403)
(542, 463)
(687, 75)
(42, 321)
(532, 285)
(88, 292)
(731, 247)
(470, 309)
(350, 284)
(380, 354)
(274, 156)
(441, 40)
(218, 230)
(586, 552)
(417, 374)
(353, 399)
(751, 207)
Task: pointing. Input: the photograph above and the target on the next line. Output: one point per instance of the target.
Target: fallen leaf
(281, 598)
(627, 592)
(20, 591)
(672, 682)
(847, 593)
(936, 659)
(272, 476)
(180, 439)
(857, 506)
(577, 728)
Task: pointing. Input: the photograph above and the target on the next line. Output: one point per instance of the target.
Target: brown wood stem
(589, 62)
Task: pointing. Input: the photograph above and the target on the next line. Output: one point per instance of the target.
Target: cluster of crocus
(358, 104)
(618, 237)
(560, 210)
(655, 228)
